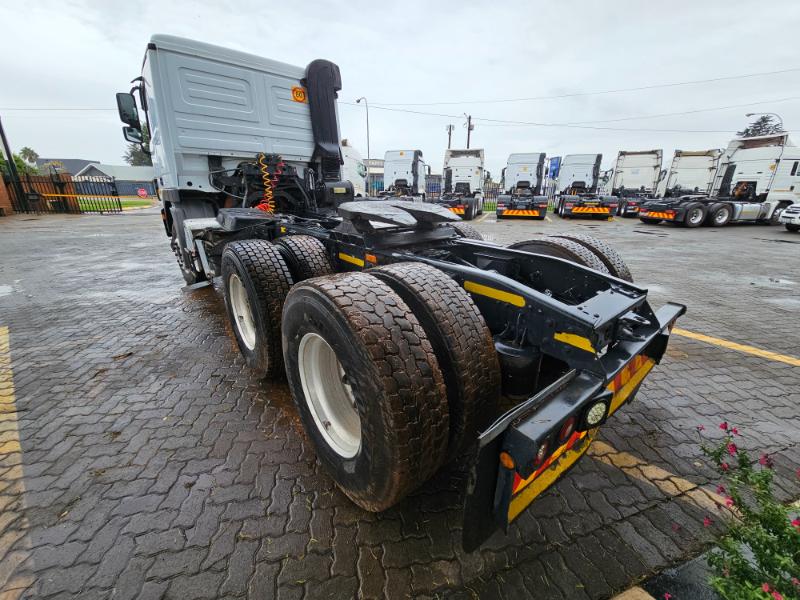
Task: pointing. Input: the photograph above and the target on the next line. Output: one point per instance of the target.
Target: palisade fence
(63, 193)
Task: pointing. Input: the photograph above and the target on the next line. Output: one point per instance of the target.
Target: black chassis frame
(525, 298)
(679, 205)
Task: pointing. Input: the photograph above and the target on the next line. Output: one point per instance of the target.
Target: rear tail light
(499, 205)
(569, 205)
(612, 206)
(567, 429)
(542, 205)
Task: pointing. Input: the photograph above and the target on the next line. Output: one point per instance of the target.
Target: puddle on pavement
(5, 290)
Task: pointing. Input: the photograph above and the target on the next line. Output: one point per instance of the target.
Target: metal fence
(433, 189)
(62, 193)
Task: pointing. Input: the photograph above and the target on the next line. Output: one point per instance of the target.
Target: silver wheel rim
(696, 215)
(721, 216)
(328, 396)
(242, 315)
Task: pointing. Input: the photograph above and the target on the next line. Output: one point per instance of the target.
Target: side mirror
(128, 114)
(131, 134)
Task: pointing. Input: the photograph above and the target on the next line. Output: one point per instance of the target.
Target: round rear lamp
(596, 413)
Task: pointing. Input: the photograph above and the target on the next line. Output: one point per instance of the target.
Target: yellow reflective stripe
(789, 360)
(575, 340)
(547, 478)
(494, 293)
(353, 260)
(621, 395)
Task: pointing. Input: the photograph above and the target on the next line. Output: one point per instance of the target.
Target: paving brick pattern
(143, 460)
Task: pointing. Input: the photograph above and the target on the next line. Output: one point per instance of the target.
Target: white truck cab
(463, 170)
(579, 172)
(353, 169)
(405, 173)
(524, 170)
(635, 179)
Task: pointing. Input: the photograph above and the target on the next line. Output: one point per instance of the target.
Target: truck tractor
(463, 182)
(577, 189)
(635, 179)
(691, 172)
(397, 327)
(757, 178)
(523, 179)
(404, 174)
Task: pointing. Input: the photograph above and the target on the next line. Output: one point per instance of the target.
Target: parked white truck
(756, 180)
(463, 182)
(636, 177)
(577, 188)
(405, 173)
(522, 181)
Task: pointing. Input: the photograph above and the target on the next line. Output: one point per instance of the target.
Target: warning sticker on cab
(299, 94)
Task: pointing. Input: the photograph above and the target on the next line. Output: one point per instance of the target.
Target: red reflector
(567, 429)
(569, 205)
(541, 454)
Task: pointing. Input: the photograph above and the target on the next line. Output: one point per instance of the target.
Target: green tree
(763, 125)
(23, 168)
(29, 155)
(135, 156)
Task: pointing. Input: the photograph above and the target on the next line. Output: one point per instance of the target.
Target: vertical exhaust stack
(323, 80)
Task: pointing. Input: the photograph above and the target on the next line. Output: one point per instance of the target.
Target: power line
(595, 93)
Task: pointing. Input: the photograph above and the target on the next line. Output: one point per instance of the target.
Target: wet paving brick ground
(140, 458)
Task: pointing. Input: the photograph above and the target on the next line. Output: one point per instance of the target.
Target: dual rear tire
(392, 370)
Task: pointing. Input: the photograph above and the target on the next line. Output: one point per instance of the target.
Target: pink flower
(734, 431)
(765, 587)
(724, 426)
(732, 449)
(796, 581)
(777, 595)
(667, 595)
(796, 523)
(707, 521)
(728, 501)
(720, 489)
(724, 466)
(765, 460)
(701, 428)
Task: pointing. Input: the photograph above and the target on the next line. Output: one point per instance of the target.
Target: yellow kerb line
(789, 360)
(9, 432)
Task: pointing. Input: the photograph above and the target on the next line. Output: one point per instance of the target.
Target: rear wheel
(695, 215)
(775, 218)
(720, 215)
(466, 230)
(562, 248)
(469, 209)
(256, 280)
(607, 255)
(305, 255)
(461, 341)
(191, 274)
(367, 385)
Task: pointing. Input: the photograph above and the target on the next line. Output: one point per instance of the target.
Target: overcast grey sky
(77, 54)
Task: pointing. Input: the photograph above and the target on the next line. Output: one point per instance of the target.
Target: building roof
(121, 172)
(65, 165)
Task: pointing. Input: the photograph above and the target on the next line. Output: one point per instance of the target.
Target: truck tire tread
(397, 367)
(461, 341)
(563, 248)
(607, 255)
(466, 230)
(306, 256)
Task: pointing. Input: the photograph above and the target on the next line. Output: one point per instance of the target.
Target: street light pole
(767, 113)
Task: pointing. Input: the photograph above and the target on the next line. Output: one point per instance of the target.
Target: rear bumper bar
(504, 474)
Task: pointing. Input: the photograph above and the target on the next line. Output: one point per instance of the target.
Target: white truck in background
(757, 178)
(353, 169)
(635, 179)
(691, 172)
(405, 173)
(578, 189)
(522, 183)
(463, 176)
